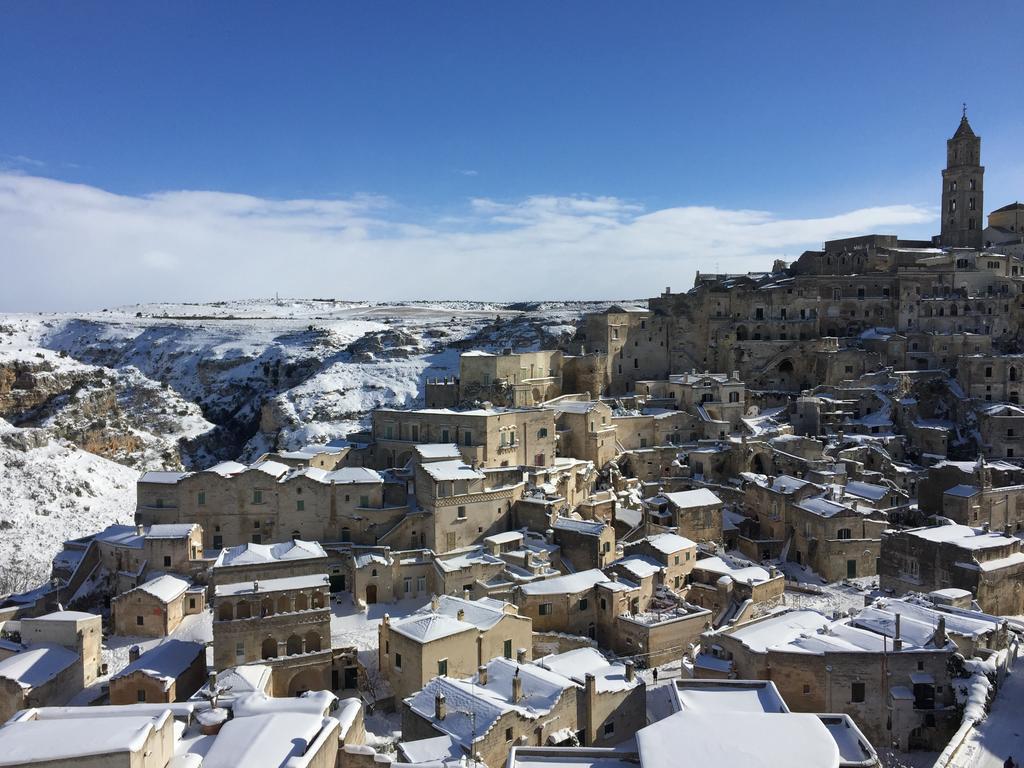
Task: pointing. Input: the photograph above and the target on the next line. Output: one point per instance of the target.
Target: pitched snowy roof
(580, 662)
(37, 665)
(353, 476)
(270, 467)
(588, 527)
(963, 491)
(868, 491)
(170, 531)
(788, 484)
(698, 497)
(227, 468)
(166, 661)
(565, 585)
(483, 613)
(254, 554)
(472, 708)
(159, 476)
(165, 588)
(778, 629)
(639, 565)
(669, 543)
(451, 470)
(574, 406)
(428, 627)
(819, 505)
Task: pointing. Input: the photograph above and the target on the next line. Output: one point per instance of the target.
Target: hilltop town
(774, 519)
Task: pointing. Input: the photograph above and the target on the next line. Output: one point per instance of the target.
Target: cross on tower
(965, 109)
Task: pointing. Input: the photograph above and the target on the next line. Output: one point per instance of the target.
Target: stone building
(898, 690)
(521, 379)
(989, 565)
(156, 608)
(585, 429)
(695, 514)
(452, 636)
(676, 555)
(274, 611)
(507, 703)
(837, 540)
(171, 671)
(58, 655)
(486, 437)
(267, 501)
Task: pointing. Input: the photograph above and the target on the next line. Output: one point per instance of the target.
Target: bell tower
(963, 189)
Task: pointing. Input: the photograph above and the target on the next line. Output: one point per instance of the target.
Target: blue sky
(427, 123)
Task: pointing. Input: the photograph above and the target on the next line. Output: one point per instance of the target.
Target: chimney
(520, 655)
(133, 653)
(211, 681)
(517, 688)
(435, 603)
(772, 571)
(481, 675)
(461, 615)
(549, 536)
(386, 620)
(466, 593)
(736, 375)
(984, 527)
(940, 639)
(630, 671)
(140, 530)
(897, 641)
(255, 585)
(440, 710)
(614, 576)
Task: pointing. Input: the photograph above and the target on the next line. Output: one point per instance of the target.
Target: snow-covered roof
(669, 543)
(159, 476)
(53, 740)
(749, 739)
(963, 491)
(778, 629)
(262, 586)
(574, 406)
(255, 554)
(698, 497)
(226, 468)
(270, 467)
(263, 741)
(436, 750)
(580, 662)
(245, 678)
(565, 585)
(165, 588)
(473, 708)
(425, 628)
(165, 662)
(788, 484)
(64, 616)
(505, 537)
(353, 476)
(170, 531)
(961, 536)
(746, 573)
(863, 490)
(37, 665)
(451, 470)
(822, 507)
(639, 565)
(587, 527)
(482, 614)
(728, 696)
(438, 451)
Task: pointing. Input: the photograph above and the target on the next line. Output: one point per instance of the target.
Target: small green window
(300, 505)
(201, 498)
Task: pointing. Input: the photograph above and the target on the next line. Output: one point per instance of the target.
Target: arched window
(845, 533)
(1013, 373)
(225, 612)
(734, 397)
(284, 604)
(301, 602)
(294, 646)
(244, 610)
(318, 600)
(267, 606)
(312, 642)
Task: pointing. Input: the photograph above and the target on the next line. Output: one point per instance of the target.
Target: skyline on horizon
(195, 153)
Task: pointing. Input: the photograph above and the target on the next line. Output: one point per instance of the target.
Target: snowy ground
(1001, 735)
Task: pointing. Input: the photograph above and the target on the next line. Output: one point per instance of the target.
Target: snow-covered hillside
(184, 385)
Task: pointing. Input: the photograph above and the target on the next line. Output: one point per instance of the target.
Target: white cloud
(72, 246)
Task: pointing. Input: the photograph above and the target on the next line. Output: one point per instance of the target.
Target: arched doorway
(371, 594)
(306, 680)
(268, 648)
